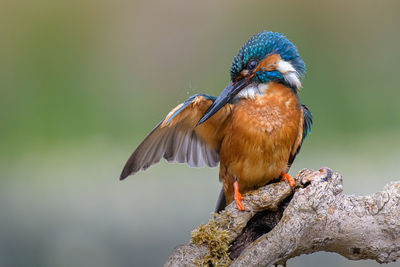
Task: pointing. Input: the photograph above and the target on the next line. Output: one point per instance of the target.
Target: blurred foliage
(75, 69)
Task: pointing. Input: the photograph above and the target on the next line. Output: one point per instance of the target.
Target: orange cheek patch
(241, 75)
(267, 64)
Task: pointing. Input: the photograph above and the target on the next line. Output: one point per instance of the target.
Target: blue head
(269, 56)
(265, 57)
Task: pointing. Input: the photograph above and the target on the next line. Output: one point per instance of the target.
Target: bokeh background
(82, 82)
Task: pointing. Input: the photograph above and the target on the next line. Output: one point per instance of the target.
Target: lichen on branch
(217, 242)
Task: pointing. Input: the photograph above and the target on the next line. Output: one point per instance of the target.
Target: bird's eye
(252, 64)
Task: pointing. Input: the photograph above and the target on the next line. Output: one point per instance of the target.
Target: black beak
(227, 94)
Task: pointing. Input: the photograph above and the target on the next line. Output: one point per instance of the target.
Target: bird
(254, 129)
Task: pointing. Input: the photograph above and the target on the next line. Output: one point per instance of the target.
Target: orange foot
(287, 177)
(238, 197)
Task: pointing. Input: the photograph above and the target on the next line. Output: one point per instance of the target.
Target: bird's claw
(287, 177)
(238, 200)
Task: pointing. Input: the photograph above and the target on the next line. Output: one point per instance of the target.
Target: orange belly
(259, 139)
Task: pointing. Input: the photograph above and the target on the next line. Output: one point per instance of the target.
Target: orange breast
(259, 138)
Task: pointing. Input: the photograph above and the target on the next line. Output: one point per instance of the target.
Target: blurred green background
(82, 82)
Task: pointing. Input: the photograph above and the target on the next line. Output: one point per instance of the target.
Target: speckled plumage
(261, 139)
(255, 127)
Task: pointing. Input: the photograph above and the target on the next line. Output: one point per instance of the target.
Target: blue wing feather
(307, 121)
(188, 102)
(306, 130)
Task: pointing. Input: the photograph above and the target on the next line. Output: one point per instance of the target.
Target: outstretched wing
(304, 130)
(177, 139)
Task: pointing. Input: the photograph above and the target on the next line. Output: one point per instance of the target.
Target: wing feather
(304, 130)
(177, 139)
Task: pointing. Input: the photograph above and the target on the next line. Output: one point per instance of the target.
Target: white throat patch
(253, 90)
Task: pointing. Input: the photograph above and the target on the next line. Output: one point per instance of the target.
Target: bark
(281, 222)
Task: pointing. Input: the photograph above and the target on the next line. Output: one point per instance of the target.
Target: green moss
(217, 241)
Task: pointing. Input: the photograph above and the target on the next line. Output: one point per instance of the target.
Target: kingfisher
(254, 129)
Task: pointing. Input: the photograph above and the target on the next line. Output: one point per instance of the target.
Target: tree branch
(279, 225)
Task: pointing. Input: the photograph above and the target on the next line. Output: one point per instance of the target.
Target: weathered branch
(279, 225)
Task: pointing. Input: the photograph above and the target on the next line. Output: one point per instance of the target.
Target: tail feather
(221, 204)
